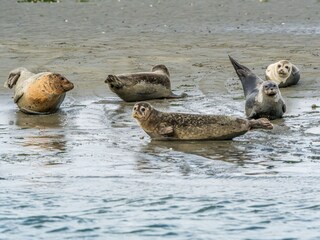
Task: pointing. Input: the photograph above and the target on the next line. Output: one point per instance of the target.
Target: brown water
(90, 172)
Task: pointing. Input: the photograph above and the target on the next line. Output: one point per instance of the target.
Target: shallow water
(89, 172)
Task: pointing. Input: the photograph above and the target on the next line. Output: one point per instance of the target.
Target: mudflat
(91, 163)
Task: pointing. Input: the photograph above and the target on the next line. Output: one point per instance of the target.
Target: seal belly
(219, 131)
(39, 98)
(143, 91)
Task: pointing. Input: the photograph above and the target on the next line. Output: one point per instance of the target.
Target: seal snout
(66, 84)
(282, 72)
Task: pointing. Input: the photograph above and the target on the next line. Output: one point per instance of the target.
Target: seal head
(142, 111)
(270, 88)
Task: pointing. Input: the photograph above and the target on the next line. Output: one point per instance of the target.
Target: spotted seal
(40, 93)
(143, 85)
(284, 73)
(263, 98)
(183, 126)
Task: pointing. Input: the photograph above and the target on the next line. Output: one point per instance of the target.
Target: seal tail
(248, 79)
(263, 123)
(114, 81)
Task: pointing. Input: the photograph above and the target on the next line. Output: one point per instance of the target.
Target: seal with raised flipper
(143, 85)
(40, 93)
(183, 126)
(263, 98)
(284, 73)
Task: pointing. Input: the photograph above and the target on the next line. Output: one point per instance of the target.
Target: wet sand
(90, 171)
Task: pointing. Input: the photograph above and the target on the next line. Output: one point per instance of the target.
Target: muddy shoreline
(89, 171)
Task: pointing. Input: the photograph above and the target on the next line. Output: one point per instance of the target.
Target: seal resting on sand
(284, 73)
(40, 93)
(263, 98)
(183, 126)
(143, 85)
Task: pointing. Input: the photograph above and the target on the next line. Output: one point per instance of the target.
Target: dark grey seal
(183, 126)
(263, 98)
(143, 85)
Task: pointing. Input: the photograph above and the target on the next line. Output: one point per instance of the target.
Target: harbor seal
(284, 73)
(143, 85)
(183, 126)
(40, 93)
(263, 98)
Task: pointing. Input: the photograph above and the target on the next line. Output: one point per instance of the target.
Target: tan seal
(284, 73)
(263, 98)
(40, 93)
(143, 85)
(183, 126)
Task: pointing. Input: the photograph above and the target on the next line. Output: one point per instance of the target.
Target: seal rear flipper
(249, 80)
(114, 82)
(12, 80)
(263, 123)
(182, 95)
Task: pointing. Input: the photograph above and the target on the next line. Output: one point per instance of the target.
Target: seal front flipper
(114, 82)
(284, 108)
(17, 96)
(166, 131)
(249, 80)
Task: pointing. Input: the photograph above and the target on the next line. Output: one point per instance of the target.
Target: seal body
(263, 98)
(284, 73)
(40, 93)
(143, 85)
(182, 126)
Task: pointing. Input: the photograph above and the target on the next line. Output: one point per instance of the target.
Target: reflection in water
(42, 131)
(227, 151)
(216, 157)
(46, 142)
(191, 156)
(56, 120)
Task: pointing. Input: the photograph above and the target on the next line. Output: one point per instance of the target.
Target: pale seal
(40, 93)
(143, 85)
(284, 73)
(263, 98)
(183, 126)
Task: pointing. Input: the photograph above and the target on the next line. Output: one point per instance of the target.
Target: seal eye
(135, 109)
(143, 109)
(279, 66)
(287, 68)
